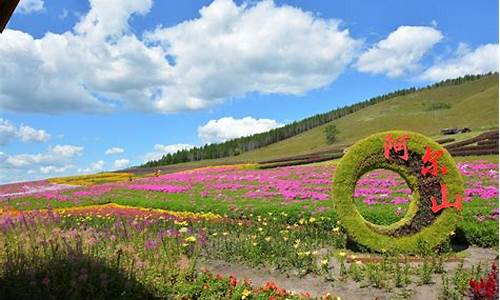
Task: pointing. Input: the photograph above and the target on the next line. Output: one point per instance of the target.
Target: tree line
(248, 143)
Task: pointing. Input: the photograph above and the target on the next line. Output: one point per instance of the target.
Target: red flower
(233, 281)
(486, 289)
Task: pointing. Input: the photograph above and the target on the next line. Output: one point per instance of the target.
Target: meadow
(119, 236)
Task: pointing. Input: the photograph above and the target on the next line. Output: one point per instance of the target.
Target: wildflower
(150, 244)
(254, 244)
(267, 238)
(183, 230)
(233, 281)
(225, 233)
(336, 229)
(312, 220)
(358, 262)
(214, 234)
(342, 254)
(245, 294)
(191, 239)
(324, 262)
(260, 229)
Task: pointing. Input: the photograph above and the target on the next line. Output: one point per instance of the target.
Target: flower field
(141, 238)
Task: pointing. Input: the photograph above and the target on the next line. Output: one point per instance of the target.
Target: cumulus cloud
(159, 150)
(25, 133)
(29, 6)
(55, 155)
(466, 61)
(93, 167)
(66, 150)
(25, 166)
(400, 52)
(245, 48)
(114, 150)
(54, 169)
(121, 163)
(228, 128)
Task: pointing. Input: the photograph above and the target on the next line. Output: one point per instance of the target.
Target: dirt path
(317, 286)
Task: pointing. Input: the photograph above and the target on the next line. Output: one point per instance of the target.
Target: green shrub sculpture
(420, 225)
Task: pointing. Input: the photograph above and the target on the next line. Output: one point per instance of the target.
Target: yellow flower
(183, 230)
(245, 294)
(191, 239)
(301, 221)
(324, 262)
(312, 219)
(264, 223)
(260, 229)
(342, 254)
(315, 253)
(225, 233)
(285, 238)
(214, 234)
(336, 229)
(254, 243)
(268, 238)
(240, 223)
(358, 262)
(353, 257)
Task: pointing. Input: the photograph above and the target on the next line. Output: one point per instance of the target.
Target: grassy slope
(473, 104)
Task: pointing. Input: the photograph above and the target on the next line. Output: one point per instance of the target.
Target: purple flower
(150, 244)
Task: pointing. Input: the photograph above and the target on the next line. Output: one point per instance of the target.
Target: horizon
(102, 93)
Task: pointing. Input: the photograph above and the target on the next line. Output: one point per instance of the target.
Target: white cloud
(9, 131)
(53, 169)
(21, 167)
(160, 150)
(400, 52)
(483, 59)
(100, 65)
(228, 128)
(114, 150)
(27, 133)
(66, 150)
(29, 6)
(56, 154)
(94, 167)
(121, 163)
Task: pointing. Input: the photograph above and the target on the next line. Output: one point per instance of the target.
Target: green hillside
(473, 104)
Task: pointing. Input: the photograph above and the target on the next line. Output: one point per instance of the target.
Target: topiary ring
(420, 223)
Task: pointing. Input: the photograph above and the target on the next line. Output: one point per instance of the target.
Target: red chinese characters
(444, 201)
(398, 144)
(431, 157)
(431, 167)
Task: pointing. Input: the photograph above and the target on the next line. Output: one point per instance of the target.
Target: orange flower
(233, 281)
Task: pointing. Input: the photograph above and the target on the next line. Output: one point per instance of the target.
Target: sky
(107, 84)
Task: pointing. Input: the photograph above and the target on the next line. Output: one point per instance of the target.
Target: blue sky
(140, 78)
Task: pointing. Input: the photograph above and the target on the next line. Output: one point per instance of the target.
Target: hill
(472, 104)
(457, 102)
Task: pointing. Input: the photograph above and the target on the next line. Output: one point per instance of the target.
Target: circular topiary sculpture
(429, 171)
